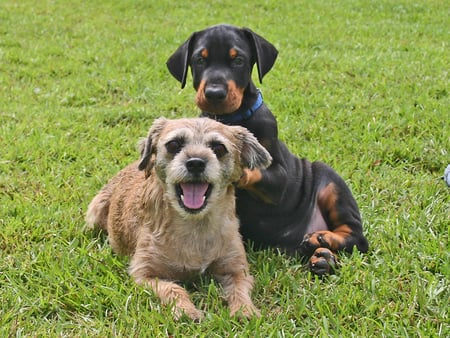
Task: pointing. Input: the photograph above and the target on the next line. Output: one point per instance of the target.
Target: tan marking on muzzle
(230, 104)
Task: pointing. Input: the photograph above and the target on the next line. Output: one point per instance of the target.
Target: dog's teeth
(182, 198)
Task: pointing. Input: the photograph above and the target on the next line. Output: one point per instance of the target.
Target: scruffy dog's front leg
(237, 288)
(233, 273)
(173, 294)
(143, 269)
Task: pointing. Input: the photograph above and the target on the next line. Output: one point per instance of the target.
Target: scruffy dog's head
(198, 159)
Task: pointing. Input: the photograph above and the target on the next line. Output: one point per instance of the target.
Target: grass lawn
(360, 85)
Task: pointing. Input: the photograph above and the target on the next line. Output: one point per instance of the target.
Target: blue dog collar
(238, 117)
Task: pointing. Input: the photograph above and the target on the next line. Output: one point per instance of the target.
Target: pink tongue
(193, 194)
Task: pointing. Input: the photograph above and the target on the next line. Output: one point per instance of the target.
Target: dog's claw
(322, 262)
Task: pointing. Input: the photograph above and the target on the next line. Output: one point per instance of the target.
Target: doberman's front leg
(343, 221)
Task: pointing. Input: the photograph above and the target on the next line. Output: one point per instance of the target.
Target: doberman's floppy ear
(264, 52)
(253, 154)
(147, 145)
(178, 63)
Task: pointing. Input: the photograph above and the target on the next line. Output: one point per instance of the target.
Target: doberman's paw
(313, 241)
(249, 177)
(322, 262)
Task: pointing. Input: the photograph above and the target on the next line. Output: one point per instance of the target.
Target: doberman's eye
(238, 61)
(200, 61)
(174, 147)
(219, 149)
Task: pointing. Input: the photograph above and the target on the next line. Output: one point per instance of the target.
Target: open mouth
(193, 196)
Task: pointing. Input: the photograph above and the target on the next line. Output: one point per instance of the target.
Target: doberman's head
(221, 59)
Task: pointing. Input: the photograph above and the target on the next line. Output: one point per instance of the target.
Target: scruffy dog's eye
(174, 147)
(219, 149)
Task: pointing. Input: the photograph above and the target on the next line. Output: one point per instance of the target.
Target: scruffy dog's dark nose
(215, 92)
(195, 165)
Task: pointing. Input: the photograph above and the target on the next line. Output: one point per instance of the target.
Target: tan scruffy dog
(173, 211)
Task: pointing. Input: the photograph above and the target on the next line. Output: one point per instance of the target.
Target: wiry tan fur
(141, 211)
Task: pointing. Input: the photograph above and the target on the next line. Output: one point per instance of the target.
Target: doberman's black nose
(215, 92)
(195, 165)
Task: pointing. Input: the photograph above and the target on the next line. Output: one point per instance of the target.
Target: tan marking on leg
(249, 178)
(248, 181)
(334, 240)
(327, 201)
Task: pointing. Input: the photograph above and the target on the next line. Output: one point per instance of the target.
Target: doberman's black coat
(298, 206)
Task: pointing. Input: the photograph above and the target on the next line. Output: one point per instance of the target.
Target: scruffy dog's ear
(253, 154)
(147, 145)
(264, 52)
(178, 63)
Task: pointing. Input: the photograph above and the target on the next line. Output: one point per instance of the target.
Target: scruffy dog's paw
(246, 311)
(322, 262)
(191, 312)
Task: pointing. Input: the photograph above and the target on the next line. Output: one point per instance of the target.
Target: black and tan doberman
(295, 205)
